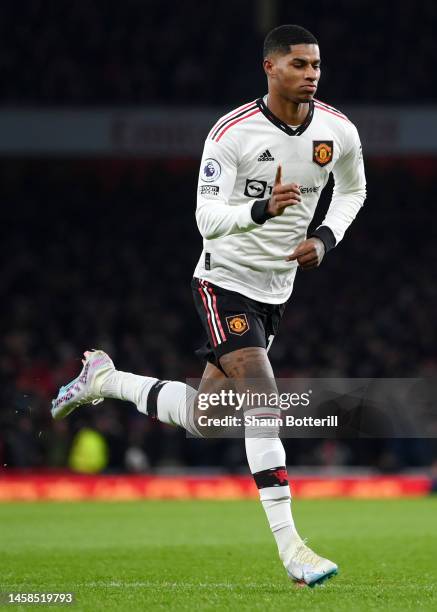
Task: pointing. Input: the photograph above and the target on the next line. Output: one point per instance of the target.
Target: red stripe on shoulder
(327, 110)
(332, 108)
(229, 116)
(329, 107)
(254, 112)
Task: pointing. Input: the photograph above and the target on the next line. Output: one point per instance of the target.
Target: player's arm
(218, 171)
(347, 199)
(349, 190)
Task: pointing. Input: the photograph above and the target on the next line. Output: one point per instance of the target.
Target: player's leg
(237, 329)
(251, 370)
(266, 454)
(176, 402)
(171, 402)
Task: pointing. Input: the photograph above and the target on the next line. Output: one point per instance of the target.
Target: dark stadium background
(98, 251)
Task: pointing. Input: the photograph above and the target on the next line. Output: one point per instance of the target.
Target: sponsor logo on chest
(255, 188)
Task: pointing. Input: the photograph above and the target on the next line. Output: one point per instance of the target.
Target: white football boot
(306, 567)
(86, 388)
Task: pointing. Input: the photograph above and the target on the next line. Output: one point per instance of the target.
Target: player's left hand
(309, 253)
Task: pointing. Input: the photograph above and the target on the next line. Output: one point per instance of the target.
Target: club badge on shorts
(237, 324)
(323, 150)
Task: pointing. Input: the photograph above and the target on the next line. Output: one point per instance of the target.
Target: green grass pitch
(206, 555)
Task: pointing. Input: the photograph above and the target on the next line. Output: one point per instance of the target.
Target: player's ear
(269, 67)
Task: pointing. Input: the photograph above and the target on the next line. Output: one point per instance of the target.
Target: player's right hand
(282, 195)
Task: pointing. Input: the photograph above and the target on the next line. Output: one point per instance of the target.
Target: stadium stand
(91, 53)
(83, 266)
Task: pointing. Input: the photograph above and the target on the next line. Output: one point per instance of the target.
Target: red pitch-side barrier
(70, 487)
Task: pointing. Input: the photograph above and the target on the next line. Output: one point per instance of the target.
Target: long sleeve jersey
(243, 251)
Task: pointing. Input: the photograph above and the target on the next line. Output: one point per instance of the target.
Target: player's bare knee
(249, 370)
(248, 362)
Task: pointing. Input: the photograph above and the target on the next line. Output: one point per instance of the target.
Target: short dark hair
(280, 39)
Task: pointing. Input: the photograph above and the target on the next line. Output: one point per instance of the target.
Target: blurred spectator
(98, 254)
(136, 52)
(89, 452)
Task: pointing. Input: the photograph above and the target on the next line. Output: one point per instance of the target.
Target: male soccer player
(263, 168)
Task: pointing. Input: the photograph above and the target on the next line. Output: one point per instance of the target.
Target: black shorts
(233, 321)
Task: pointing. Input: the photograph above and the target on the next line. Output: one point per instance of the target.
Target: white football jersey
(242, 251)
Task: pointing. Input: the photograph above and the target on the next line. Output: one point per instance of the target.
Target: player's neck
(291, 113)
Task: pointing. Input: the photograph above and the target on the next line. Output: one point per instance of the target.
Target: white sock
(175, 400)
(175, 406)
(128, 387)
(281, 523)
(267, 454)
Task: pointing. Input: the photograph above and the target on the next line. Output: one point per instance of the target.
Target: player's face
(295, 75)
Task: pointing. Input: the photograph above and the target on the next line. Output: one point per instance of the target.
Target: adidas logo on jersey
(266, 156)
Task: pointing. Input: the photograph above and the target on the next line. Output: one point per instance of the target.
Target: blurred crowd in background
(100, 254)
(134, 52)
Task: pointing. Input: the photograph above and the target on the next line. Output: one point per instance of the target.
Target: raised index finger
(278, 176)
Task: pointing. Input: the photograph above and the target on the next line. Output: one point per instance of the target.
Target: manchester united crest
(237, 324)
(323, 150)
